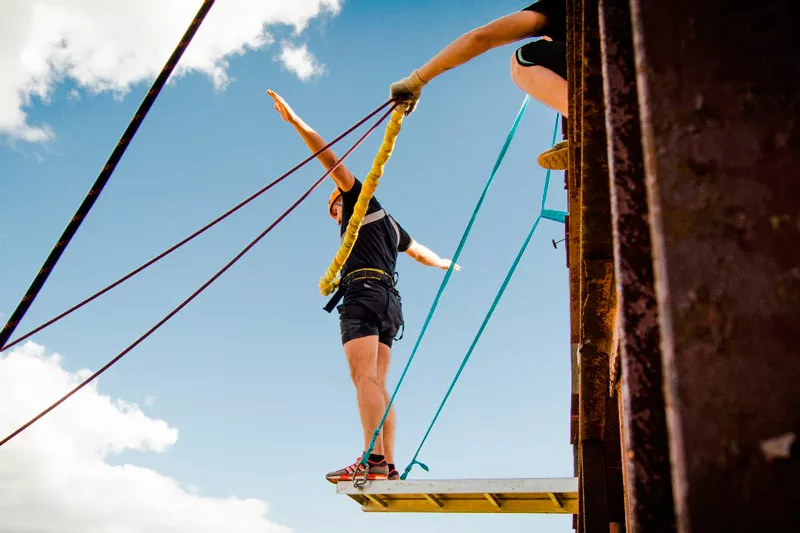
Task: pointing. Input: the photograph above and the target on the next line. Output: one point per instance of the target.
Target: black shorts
(370, 308)
(551, 55)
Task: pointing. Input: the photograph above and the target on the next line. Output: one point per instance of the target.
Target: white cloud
(54, 477)
(108, 45)
(300, 61)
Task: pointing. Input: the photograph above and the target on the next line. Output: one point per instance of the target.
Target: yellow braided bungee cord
(327, 284)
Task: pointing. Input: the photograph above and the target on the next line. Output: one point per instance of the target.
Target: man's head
(335, 205)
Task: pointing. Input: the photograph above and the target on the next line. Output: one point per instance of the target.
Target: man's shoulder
(352, 196)
(355, 188)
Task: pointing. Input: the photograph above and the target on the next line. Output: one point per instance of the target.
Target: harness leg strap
(335, 299)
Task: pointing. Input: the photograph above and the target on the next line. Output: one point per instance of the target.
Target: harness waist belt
(356, 275)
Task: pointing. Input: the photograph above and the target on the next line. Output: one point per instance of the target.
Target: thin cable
(485, 322)
(446, 279)
(103, 177)
(474, 344)
(201, 289)
(192, 236)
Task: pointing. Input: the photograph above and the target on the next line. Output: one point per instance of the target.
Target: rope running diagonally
(486, 318)
(191, 237)
(203, 287)
(327, 283)
(449, 273)
(103, 177)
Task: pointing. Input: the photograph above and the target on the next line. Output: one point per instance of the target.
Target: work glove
(408, 90)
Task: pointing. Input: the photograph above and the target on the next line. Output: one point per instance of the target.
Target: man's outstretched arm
(428, 257)
(502, 31)
(342, 176)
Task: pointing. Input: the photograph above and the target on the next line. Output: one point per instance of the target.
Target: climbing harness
(361, 274)
(202, 288)
(195, 234)
(375, 216)
(327, 283)
(557, 216)
(103, 177)
(449, 272)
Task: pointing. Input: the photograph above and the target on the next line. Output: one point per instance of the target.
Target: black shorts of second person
(370, 308)
(551, 55)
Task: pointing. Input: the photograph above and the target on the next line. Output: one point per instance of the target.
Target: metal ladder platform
(554, 495)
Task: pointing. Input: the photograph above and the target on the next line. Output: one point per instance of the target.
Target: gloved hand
(408, 90)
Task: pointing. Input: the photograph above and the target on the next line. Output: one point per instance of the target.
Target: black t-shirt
(556, 13)
(379, 239)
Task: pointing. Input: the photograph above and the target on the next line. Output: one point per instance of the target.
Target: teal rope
(547, 175)
(446, 279)
(488, 316)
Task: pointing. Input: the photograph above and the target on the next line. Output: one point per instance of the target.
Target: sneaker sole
(558, 160)
(371, 477)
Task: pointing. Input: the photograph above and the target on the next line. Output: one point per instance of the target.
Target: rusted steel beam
(596, 315)
(648, 484)
(573, 223)
(596, 250)
(574, 75)
(614, 485)
(596, 236)
(623, 450)
(597, 322)
(720, 105)
(594, 502)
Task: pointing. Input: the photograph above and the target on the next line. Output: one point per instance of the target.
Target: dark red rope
(202, 287)
(103, 177)
(192, 236)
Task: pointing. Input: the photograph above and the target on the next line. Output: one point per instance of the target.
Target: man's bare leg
(384, 358)
(542, 84)
(362, 356)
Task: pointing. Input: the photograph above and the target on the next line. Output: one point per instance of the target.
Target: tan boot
(556, 158)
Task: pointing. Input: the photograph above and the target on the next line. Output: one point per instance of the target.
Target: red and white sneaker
(377, 471)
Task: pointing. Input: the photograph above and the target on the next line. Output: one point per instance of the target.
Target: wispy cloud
(109, 46)
(301, 62)
(54, 477)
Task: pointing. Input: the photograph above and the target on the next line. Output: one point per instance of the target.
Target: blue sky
(252, 373)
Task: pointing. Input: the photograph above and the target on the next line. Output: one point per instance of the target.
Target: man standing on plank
(371, 314)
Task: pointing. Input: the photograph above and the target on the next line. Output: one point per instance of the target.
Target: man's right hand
(408, 90)
(283, 109)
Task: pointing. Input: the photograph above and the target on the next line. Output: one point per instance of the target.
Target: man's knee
(359, 372)
(365, 381)
(363, 373)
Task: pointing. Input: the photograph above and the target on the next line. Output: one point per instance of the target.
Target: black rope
(203, 287)
(102, 179)
(191, 237)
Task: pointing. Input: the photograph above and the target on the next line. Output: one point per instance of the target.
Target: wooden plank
(555, 499)
(378, 500)
(464, 486)
(470, 506)
(466, 496)
(493, 500)
(434, 500)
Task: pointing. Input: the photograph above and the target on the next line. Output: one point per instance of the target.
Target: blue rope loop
(557, 216)
(410, 465)
(449, 273)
